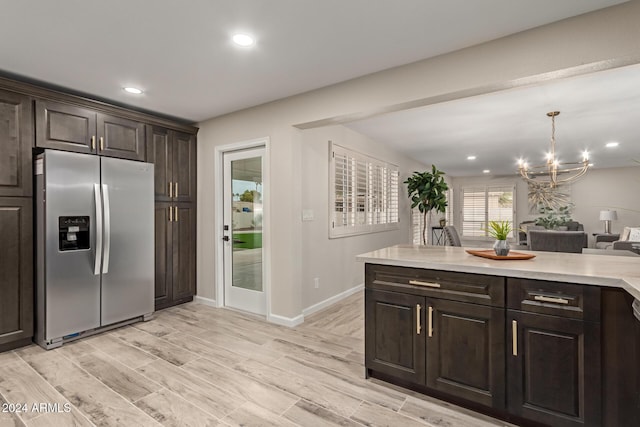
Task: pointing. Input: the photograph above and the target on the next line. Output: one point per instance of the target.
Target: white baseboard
(205, 301)
(286, 321)
(292, 322)
(332, 300)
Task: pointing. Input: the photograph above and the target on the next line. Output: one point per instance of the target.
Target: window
(483, 204)
(364, 193)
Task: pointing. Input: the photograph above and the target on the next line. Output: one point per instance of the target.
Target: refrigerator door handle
(107, 228)
(98, 197)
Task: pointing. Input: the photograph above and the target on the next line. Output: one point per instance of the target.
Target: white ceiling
(180, 54)
(501, 127)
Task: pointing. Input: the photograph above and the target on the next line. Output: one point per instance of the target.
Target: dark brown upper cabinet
(67, 127)
(122, 138)
(174, 156)
(16, 135)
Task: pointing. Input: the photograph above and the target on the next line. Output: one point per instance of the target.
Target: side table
(438, 238)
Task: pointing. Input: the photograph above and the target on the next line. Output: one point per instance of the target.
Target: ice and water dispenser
(73, 233)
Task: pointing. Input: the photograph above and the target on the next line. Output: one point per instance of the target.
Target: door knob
(225, 238)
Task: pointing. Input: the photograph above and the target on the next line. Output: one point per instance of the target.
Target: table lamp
(607, 216)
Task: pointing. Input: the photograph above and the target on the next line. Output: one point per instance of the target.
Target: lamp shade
(608, 215)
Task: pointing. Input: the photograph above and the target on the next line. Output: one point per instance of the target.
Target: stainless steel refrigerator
(95, 244)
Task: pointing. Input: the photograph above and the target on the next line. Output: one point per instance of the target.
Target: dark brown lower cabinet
(553, 369)
(536, 353)
(394, 345)
(175, 258)
(465, 351)
(16, 272)
(620, 356)
(453, 347)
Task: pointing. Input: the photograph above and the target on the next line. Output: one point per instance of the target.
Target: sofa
(557, 241)
(526, 226)
(624, 241)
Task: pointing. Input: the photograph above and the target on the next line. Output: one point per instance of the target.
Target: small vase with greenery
(428, 192)
(500, 230)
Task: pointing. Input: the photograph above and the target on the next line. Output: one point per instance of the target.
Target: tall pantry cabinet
(174, 155)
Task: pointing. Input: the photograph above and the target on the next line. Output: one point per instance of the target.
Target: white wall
(600, 36)
(333, 260)
(599, 189)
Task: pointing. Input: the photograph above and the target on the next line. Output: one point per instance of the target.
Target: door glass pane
(246, 190)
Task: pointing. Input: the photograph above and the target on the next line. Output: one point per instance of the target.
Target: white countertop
(602, 270)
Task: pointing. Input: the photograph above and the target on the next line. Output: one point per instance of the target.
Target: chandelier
(553, 172)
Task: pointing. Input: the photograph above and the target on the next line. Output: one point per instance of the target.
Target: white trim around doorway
(219, 212)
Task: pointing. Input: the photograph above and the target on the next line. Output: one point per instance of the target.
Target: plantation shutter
(483, 204)
(364, 193)
(473, 212)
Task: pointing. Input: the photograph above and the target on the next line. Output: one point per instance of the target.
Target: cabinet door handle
(551, 299)
(427, 284)
(170, 191)
(170, 214)
(176, 191)
(176, 215)
(430, 325)
(101, 143)
(514, 337)
(93, 142)
(418, 325)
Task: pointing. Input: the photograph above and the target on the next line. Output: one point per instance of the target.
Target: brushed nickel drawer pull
(176, 185)
(430, 321)
(514, 338)
(93, 142)
(176, 214)
(170, 190)
(101, 143)
(551, 299)
(427, 284)
(170, 214)
(418, 325)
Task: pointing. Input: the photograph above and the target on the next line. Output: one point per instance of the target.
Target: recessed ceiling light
(471, 157)
(243, 40)
(134, 90)
(486, 171)
(612, 144)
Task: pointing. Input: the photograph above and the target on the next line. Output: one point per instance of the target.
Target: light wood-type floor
(194, 365)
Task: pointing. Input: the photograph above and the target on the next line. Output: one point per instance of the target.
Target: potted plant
(500, 230)
(427, 191)
(552, 219)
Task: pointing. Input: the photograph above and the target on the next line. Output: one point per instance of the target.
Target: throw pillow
(634, 234)
(624, 236)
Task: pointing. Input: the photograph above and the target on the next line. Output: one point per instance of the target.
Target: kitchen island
(546, 341)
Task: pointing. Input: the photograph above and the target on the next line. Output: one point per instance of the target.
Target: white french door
(244, 197)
